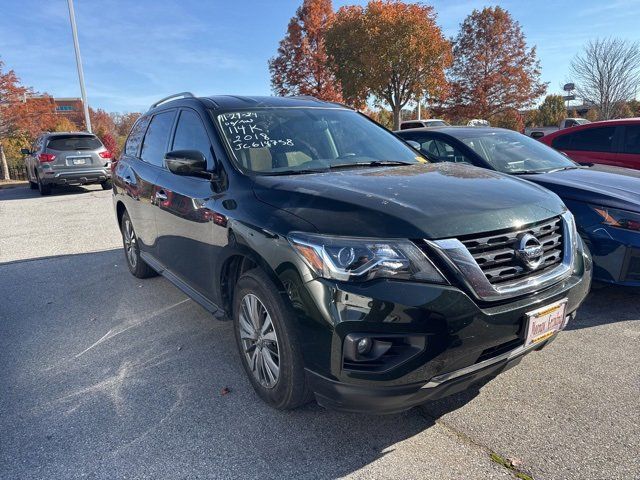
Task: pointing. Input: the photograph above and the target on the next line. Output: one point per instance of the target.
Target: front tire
(137, 266)
(267, 342)
(106, 185)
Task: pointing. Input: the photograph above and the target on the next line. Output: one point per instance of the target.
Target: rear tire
(106, 185)
(137, 266)
(44, 189)
(267, 342)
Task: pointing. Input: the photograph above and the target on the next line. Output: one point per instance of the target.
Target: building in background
(68, 106)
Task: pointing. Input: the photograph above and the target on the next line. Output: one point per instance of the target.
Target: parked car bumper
(457, 341)
(75, 177)
(616, 254)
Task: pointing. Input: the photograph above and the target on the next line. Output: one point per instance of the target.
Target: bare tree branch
(607, 74)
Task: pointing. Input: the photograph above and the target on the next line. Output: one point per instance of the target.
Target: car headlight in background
(360, 259)
(619, 218)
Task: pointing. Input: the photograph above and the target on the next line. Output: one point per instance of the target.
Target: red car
(612, 142)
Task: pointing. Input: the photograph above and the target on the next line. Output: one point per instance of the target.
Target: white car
(430, 122)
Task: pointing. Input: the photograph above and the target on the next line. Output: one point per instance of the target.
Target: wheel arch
(239, 259)
(120, 209)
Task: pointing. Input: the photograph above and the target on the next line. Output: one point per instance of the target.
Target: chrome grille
(495, 254)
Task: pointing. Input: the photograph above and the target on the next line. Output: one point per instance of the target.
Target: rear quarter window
(135, 136)
(74, 142)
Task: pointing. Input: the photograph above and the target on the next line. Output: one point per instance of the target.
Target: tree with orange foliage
(493, 71)
(390, 50)
(21, 112)
(64, 124)
(300, 67)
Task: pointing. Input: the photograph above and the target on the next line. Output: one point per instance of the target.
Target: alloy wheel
(259, 341)
(130, 243)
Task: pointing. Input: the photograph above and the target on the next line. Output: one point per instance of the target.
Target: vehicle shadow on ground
(24, 192)
(602, 301)
(109, 376)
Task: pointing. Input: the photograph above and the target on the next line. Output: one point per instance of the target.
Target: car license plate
(544, 322)
(79, 161)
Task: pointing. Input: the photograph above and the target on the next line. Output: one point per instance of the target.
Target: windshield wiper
(297, 172)
(531, 172)
(572, 167)
(527, 172)
(374, 163)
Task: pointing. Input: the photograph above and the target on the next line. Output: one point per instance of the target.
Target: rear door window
(631, 139)
(74, 142)
(590, 140)
(155, 141)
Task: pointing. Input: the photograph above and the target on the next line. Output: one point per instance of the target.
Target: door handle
(161, 196)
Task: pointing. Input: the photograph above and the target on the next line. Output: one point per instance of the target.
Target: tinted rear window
(404, 126)
(74, 142)
(155, 141)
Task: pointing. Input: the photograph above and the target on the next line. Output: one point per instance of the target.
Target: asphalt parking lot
(107, 376)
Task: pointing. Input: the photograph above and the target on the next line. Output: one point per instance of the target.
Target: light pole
(83, 92)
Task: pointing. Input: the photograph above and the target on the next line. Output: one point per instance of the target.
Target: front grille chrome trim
(462, 263)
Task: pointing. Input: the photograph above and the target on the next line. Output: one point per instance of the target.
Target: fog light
(364, 345)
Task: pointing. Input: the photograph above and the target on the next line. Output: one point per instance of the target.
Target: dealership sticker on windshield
(545, 322)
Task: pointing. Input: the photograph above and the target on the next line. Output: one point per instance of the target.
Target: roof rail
(171, 97)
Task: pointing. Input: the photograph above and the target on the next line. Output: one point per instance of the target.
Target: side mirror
(414, 144)
(25, 151)
(186, 162)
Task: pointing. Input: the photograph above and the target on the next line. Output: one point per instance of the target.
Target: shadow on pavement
(602, 301)
(24, 192)
(106, 375)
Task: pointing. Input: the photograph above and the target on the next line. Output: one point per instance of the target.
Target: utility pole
(74, 31)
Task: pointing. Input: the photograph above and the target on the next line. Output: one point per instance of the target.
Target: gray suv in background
(65, 158)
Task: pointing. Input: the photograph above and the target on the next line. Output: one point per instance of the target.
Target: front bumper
(465, 341)
(357, 398)
(75, 177)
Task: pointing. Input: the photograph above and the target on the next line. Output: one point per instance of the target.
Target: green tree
(552, 111)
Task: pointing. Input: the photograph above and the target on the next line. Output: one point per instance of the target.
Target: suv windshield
(511, 152)
(302, 140)
(74, 142)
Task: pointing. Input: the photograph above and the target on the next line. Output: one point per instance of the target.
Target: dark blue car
(604, 200)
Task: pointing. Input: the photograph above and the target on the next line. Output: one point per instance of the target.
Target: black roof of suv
(237, 102)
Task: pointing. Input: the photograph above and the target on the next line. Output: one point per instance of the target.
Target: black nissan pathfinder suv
(353, 270)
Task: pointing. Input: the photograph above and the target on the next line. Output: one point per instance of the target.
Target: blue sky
(137, 51)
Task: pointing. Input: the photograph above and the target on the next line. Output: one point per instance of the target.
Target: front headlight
(619, 218)
(360, 259)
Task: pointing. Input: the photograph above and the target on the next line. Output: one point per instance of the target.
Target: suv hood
(417, 201)
(611, 186)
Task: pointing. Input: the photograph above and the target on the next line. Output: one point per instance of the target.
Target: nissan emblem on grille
(529, 250)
